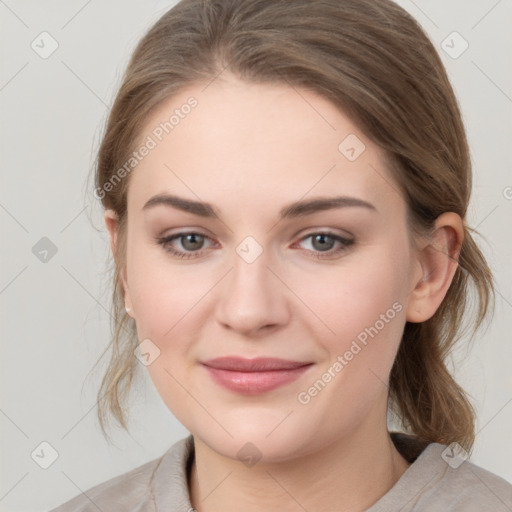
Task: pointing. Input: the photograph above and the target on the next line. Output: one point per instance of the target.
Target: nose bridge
(251, 298)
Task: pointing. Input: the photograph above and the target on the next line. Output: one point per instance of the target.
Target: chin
(267, 438)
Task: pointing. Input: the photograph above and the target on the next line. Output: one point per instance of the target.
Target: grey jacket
(436, 481)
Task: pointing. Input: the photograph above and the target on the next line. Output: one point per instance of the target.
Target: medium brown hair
(372, 60)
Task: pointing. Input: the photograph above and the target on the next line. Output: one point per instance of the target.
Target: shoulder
(464, 486)
(134, 490)
(441, 478)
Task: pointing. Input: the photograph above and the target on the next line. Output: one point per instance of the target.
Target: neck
(349, 474)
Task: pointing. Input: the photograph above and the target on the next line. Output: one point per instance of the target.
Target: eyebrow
(293, 210)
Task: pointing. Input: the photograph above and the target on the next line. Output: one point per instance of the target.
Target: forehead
(232, 139)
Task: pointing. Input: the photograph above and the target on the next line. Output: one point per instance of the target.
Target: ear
(437, 262)
(112, 223)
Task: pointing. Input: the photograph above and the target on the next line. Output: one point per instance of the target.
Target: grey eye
(323, 242)
(192, 241)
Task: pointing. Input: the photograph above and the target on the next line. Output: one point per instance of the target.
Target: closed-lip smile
(254, 376)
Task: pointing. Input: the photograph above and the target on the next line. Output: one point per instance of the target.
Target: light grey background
(54, 315)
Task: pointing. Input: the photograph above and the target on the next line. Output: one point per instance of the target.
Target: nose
(252, 300)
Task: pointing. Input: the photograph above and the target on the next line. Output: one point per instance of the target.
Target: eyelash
(165, 243)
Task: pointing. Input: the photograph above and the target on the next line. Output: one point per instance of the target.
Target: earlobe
(438, 260)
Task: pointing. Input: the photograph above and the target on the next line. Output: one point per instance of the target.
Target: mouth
(254, 376)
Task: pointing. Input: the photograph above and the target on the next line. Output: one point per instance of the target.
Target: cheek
(363, 302)
(166, 300)
(352, 296)
(162, 294)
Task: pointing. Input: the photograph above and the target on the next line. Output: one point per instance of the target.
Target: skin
(250, 150)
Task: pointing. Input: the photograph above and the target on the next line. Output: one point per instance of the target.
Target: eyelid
(181, 234)
(186, 230)
(326, 231)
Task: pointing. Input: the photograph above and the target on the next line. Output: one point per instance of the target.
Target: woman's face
(267, 272)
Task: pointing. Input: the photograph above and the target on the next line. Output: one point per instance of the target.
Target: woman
(285, 185)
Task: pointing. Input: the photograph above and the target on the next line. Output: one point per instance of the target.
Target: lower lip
(254, 383)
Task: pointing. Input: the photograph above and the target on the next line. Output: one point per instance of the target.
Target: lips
(260, 364)
(254, 376)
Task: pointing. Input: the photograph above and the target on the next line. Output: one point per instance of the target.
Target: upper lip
(258, 364)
